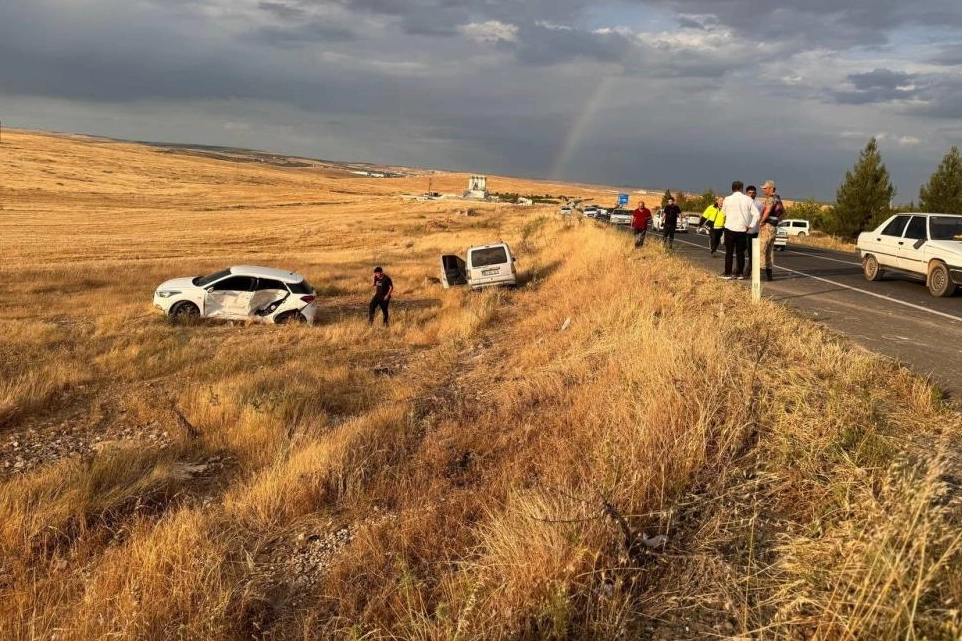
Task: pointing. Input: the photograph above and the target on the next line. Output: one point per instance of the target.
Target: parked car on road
(927, 245)
(240, 292)
(658, 218)
(565, 211)
(796, 227)
(590, 211)
(620, 217)
(781, 237)
(482, 266)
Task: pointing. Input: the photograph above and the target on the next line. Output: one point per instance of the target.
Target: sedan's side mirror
(209, 289)
(918, 243)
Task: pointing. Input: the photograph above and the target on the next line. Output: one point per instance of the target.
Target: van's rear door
(453, 271)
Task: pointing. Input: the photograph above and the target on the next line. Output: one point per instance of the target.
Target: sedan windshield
(946, 227)
(204, 281)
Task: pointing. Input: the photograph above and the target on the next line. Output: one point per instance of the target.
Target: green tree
(664, 199)
(808, 210)
(943, 193)
(864, 198)
(701, 202)
(680, 199)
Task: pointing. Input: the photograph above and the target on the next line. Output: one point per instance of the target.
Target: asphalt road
(895, 317)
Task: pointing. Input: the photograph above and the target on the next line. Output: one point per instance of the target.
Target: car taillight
(308, 299)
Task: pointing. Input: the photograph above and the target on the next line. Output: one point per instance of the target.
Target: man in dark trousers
(639, 223)
(669, 222)
(383, 288)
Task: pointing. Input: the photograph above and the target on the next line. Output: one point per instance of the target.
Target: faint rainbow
(580, 125)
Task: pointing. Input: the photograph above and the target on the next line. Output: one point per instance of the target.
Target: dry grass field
(671, 462)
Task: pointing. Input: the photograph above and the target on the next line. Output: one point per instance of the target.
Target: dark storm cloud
(947, 56)
(881, 85)
(541, 45)
(301, 34)
(282, 10)
(663, 87)
(934, 95)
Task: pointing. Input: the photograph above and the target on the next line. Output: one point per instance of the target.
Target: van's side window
(488, 256)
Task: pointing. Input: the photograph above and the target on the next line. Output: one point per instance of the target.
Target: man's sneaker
(726, 276)
(740, 277)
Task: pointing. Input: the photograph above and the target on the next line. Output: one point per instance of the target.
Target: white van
(795, 227)
(484, 266)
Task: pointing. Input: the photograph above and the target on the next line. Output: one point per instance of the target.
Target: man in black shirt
(669, 222)
(383, 288)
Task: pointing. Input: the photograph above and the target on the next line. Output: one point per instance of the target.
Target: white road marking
(836, 260)
(880, 296)
(854, 289)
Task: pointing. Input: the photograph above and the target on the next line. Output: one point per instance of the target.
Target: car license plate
(490, 272)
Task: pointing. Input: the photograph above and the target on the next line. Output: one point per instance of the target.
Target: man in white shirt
(740, 216)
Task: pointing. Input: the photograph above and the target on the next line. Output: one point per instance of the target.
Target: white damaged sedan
(240, 292)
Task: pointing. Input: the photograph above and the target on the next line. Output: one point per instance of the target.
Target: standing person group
(747, 218)
(640, 219)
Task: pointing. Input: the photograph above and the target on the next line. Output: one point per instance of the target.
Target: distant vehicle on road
(927, 245)
(590, 211)
(565, 211)
(795, 227)
(620, 217)
(240, 292)
(658, 218)
(483, 266)
(781, 237)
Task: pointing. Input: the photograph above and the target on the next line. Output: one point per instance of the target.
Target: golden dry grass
(473, 472)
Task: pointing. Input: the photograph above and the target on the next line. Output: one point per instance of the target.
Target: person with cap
(383, 288)
(771, 214)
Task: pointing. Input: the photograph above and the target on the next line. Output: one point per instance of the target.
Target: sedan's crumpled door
(453, 271)
(229, 298)
(268, 294)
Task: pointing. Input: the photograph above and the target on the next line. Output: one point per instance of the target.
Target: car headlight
(167, 293)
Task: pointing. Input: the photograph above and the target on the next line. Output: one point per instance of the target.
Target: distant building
(477, 188)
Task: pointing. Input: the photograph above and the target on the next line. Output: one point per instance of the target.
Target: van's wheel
(940, 282)
(802, 234)
(871, 268)
(184, 311)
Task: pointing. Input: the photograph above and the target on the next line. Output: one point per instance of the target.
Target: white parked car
(927, 245)
(240, 292)
(620, 217)
(658, 218)
(795, 227)
(781, 237)
(565, 211)
(590, 211)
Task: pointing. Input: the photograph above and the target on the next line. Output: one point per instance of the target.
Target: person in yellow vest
(714, 219)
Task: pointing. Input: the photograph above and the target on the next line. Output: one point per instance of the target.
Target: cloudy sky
(684, 94)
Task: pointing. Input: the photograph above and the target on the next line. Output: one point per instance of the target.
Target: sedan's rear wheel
(290, 317)
(871, 268)
(940, 282)
(184, 311)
